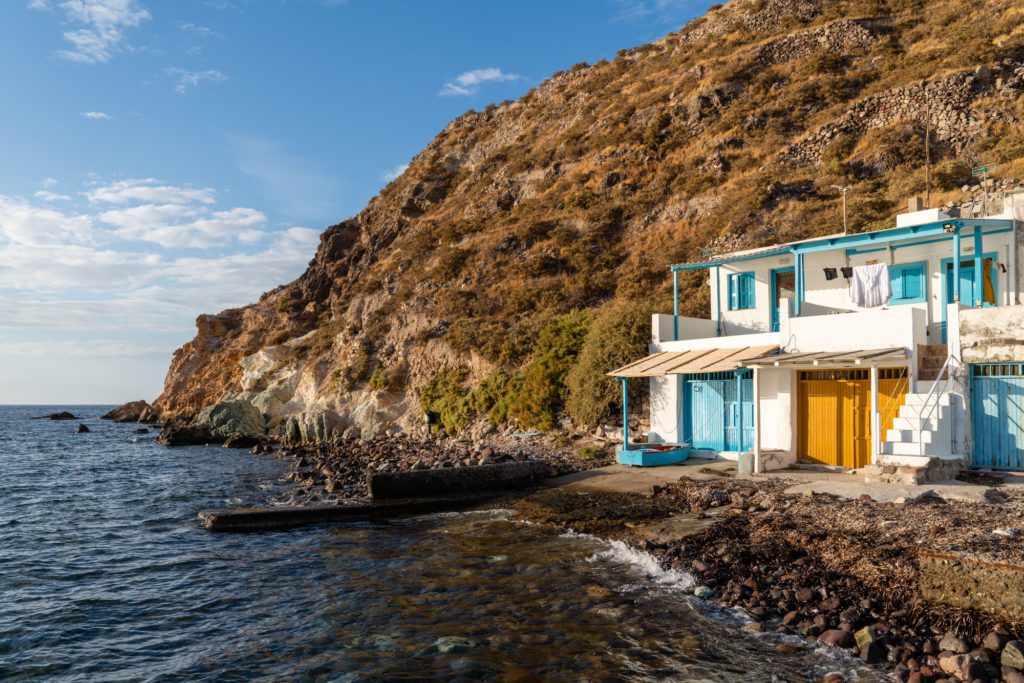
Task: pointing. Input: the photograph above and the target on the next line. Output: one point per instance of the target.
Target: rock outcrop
(133, 411)
(727, 134)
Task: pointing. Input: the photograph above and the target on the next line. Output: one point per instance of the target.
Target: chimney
(915, 204)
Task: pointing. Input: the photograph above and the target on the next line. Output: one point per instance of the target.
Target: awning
(690, 362)
(868, 356)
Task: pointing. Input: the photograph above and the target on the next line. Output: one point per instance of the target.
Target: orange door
(834, 414)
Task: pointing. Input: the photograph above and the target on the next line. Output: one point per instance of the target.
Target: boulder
(133, 411)
(865, 636)
(230, 418)
(184, 433)
(953, 644)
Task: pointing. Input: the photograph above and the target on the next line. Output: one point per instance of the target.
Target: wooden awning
(862, 357)
(691, 362)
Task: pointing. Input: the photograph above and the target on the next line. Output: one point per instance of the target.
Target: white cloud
(102, 26)
(394, 173)
(24, 223)
(50, 182)
(184, 79)
(470, 82)
(149, 190)
(73, 348)
(95, 115)
(217, 228)
(48, 196)
(197, 30)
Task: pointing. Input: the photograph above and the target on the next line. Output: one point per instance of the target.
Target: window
(909, 282)
(741, 291)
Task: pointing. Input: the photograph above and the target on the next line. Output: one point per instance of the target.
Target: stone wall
(953, 120)
(968, 581)
(992, 335)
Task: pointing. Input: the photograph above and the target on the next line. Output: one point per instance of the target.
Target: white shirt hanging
(870, 286)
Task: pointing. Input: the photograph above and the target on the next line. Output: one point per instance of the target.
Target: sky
(162, 159)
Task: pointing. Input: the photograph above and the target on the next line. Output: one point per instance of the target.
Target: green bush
(619, 334)
(543, 391)
(445, 396)
(589, 452)
(379, 379)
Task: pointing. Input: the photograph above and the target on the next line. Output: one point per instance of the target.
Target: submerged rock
(82, 429)
(181, 433)
(448, 644)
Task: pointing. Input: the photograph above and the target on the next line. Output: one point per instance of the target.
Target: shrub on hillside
(445, 396)
(542, 393)
(618, 334)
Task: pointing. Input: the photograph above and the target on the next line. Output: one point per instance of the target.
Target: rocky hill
(519, 256)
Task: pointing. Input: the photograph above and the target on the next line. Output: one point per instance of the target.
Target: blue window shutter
(733, 293)
(748, 290)
(909, 283)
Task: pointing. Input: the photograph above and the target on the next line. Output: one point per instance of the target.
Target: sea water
(105, 575)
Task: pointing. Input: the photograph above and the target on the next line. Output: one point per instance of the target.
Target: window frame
(902, 268)
(735, 290)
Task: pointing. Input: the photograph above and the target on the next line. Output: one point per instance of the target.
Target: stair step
(943, 399)
(898, 448)
(915, 423)
(910, 436)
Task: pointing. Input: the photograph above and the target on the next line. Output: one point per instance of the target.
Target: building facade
(894, 352)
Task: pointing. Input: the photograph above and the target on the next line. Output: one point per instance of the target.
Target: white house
(806, 358)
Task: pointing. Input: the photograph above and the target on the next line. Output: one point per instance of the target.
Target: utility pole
(844, 189)
(927, 149)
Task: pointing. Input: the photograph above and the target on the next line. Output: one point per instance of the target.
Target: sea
(106, 575)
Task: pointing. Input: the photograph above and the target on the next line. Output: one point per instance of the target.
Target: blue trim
(742, 290)
(979, 274)
(899, 277)
(625, 412)
(956, 277)
(855, 240)
(718, 301)
(773, 291)
(917, 243)
(800, 284)
(675, 306)
(956, 284)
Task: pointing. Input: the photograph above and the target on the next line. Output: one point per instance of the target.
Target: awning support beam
(625, 412)
(956, 265)
(979, 275)
(758, 466)
(675, 305)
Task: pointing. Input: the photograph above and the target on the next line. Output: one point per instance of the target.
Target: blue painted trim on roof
(918, 243)
(855, 240)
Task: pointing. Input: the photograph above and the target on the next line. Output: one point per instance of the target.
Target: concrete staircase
(918, 431)
(930, 359)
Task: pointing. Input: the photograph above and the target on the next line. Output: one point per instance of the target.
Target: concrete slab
(889, 493)
(625, 479)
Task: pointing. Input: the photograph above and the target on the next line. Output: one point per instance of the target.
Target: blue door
(967, 294)
(997, 416)
(783, 283)
(716, 404)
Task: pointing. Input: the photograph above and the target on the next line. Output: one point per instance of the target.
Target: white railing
(928, 408)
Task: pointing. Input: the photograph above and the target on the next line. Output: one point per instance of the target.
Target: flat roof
(860, 357)
(692, 362)
(841, 240)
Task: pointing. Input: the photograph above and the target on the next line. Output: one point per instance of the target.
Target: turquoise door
(783, 283)
(714, 411)
(967, 293)
(997, 416)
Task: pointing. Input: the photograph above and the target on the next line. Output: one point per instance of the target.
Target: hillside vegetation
(520, 255)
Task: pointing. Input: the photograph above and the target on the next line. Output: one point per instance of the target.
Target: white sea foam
(645, 563)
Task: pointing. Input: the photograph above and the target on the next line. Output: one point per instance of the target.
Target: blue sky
(163, 159)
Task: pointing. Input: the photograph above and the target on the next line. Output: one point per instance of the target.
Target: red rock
(837, 638)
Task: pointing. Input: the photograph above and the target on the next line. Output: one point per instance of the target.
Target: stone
(995, 641)
(791, 618)
(233, 417)
(865, 636)
(804, 595)
(703, 592)
(449, 644)
(1011, 675)
(82, 429)
(753, 627)
(1013, 654)
(871, 654)
(699, 566)
(142, 430)
(951, 663)
(837, 638)
(953, 644)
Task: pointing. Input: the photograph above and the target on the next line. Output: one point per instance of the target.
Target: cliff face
(727, 134)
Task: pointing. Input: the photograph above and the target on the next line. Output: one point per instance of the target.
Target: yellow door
(834, 413)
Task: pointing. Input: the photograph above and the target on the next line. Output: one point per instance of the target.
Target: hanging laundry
(830, 274)
(988, 290)
(870, 287)
(847, 272)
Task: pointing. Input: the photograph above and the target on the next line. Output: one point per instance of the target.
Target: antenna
(844, 189)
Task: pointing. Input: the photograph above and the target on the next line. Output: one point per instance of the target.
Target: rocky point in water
(62, 415)
(133, 411)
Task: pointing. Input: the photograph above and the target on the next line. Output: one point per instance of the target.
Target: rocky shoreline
(835, 572)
